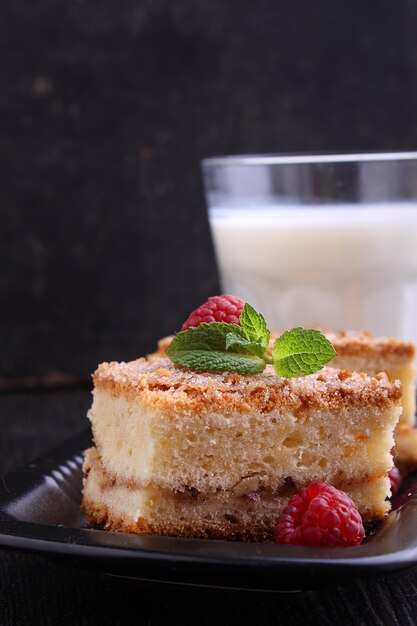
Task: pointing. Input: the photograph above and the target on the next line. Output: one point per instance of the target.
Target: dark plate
(39, 512)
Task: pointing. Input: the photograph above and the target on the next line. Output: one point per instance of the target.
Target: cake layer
(159, 425)
(361, 352)
(149, 510)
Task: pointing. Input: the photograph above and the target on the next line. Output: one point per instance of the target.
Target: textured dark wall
(106, 109)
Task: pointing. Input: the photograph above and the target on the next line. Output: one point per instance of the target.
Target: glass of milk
(319, 240)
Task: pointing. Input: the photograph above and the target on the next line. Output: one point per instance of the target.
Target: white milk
(352, 267)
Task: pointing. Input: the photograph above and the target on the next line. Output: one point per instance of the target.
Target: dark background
(106, 109)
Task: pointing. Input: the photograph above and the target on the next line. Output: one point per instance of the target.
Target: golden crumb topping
(159, 384)
(361, 344)
(346, 343)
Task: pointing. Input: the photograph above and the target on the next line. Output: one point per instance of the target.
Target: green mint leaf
(254, 325)
(206, 361)
(301, 351)
(204, 349)
(235, 343)
(210, 336)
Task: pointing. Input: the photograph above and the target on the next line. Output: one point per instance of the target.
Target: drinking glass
(327, 240)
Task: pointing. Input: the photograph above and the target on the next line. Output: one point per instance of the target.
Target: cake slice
(179, 452)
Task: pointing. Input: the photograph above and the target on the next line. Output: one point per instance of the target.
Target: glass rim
(306, 159)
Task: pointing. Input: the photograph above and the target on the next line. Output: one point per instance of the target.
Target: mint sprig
(222, 347)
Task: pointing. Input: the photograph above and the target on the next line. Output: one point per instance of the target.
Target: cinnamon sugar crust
(162, 385)
(363, 344)
(345, 342)
(361, 352)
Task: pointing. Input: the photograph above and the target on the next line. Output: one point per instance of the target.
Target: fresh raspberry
(223, 308)
(320, 515)
(395, 478)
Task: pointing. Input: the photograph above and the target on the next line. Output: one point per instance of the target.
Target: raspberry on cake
(320, 516)
(203, 454)
(223, 308)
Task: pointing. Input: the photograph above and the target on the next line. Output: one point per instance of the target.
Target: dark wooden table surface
(34, 590)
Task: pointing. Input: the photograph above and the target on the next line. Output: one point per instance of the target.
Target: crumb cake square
(180, 452)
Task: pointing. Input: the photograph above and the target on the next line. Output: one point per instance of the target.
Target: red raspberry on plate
(223, 308)
(320, 515)
(395, 478)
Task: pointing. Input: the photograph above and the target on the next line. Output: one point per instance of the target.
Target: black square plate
(39, 512)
